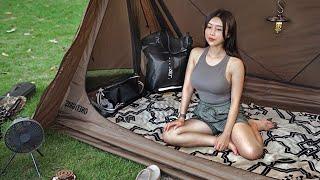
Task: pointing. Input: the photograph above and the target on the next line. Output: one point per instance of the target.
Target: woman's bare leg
(256, 130)
(263, 124)
(193, 133)
(247, 140)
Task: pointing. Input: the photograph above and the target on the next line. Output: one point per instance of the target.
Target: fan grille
(24, 135)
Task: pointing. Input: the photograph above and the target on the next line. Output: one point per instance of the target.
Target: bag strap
(170, 18)
(149, 16)
(155, 19)
(163, 25)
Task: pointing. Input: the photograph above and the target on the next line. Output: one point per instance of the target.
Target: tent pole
(135, 36)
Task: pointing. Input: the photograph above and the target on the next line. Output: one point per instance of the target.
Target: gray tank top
(210, 81)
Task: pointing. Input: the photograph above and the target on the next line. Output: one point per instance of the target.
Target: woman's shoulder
(235, 60)
(236, 63)
(196, 53)
(197, 50)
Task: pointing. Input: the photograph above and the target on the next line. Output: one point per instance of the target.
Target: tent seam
(312, 60)
(260, 64)
(197, 8)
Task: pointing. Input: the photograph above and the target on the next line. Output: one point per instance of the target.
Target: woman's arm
(236, 71)
(237, 80)
(186, 91)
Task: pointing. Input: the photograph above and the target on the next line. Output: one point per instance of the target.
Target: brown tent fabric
(290, 57)
(281, 71)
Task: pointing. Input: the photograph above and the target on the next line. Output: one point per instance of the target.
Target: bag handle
(142, 87)
(184, 45)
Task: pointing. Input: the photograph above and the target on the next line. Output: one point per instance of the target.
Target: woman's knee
(169, 136)
(252, 152)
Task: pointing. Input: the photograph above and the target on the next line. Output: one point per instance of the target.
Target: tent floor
(291, 152)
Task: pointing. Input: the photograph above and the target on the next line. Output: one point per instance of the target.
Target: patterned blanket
(291, 152)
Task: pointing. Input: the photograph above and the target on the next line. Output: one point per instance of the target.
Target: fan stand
(33, 160)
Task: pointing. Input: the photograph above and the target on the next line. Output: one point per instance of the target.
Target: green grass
(32, 57)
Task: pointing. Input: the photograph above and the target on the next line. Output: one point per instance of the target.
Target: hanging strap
(155, 19)
(149, 16)
(163, 24)
(170, 18)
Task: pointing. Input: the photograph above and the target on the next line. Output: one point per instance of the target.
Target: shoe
(152, 172)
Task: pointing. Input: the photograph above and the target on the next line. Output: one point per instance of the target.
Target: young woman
(217, 73)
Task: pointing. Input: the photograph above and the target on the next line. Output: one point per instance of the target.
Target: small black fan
(24, 136)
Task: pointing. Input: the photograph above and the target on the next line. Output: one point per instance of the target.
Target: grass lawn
(34, 36)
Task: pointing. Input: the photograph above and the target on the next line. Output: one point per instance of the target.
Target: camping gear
(166, 54)
(152, 172)
(64, 175)
(24, 135)
(111, 98)
(167, 59)
(282, 72)
(14, 100)
(25, 89)
(10, 106)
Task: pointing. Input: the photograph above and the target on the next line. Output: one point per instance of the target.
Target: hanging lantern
(279, 18)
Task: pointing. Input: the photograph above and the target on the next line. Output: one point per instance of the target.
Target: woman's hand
(222, 142)
(175, 124)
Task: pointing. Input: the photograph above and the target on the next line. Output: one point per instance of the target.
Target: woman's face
(214, 32)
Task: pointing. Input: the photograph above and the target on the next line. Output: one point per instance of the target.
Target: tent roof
(287, 57)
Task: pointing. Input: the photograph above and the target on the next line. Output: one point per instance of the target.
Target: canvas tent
(282, 71)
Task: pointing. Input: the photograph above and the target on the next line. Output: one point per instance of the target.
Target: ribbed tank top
(210, 81)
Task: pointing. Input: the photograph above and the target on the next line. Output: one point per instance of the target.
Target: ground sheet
(291, 152)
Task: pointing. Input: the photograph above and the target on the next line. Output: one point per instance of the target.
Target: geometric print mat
(292, 150)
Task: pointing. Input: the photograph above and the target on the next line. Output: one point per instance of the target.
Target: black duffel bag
(116, 96)
(167, 59)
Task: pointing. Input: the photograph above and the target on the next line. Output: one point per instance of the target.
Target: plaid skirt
(216, 115)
